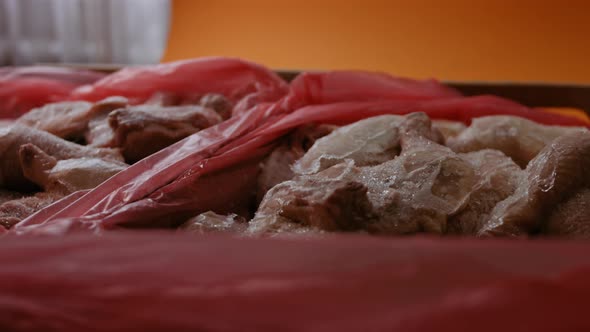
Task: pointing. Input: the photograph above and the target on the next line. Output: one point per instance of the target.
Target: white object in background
(83, 31)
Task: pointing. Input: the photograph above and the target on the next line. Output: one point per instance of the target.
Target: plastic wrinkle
(232, 78)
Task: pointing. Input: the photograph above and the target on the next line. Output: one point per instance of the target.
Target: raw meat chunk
(68, 119)
(448, 128)
(12, 212)
(498, 178)
(277, 167)
(142, 130)
(328, 201)
(211, 222)
(571, 218)
(68, 175)
(13, 137)
(518, 138)
(367, 142)
(99, 133)
(558, 171)
(415, 192)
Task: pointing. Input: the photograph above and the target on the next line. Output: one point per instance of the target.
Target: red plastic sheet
(341, 86)
(24, 88)
(174, 282)
(243, 82)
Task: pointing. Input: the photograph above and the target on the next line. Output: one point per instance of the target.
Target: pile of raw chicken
(61, 148)
(407, 174)
(387, 174)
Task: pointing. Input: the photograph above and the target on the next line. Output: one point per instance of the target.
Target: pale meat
(13, 137)
(415, 192)
(498, 178)
(420, 189)
(99, 133)
(448, 128)
(211, 222)
(367, 142)
(277, 167)
(67, 120)
(571, 218)
(214, 101)
(12, 212)
(218, 103)
(559, 171)
(142, 130)
(65, 176)
(329, 201)
(518, 138)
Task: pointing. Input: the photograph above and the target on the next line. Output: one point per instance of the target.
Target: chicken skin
(13, 137)
(518, 138)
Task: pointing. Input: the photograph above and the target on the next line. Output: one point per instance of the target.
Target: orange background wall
(454, 39)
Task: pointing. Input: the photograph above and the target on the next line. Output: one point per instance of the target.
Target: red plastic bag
(150, 281)
(235, 79)
(341, 86)
(22, 89)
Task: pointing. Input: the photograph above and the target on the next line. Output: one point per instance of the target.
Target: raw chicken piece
(448, 128)
(367, 142)
(214, 101)
(14, 211)
(218, 103)
(328, 201)
(498, 178)
(13, 137)
(277, 167)
(67, 120)
(414, 192)
(65, 176)
(571, 218)
(558, 171)
(99, 132)
(518, 138)
(142, 130)
(70, 119)
(211, 222)
(420, 189)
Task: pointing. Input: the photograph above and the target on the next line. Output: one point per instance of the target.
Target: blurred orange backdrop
(455, 40)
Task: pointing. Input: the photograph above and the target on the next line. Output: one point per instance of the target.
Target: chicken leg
(13, 137)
